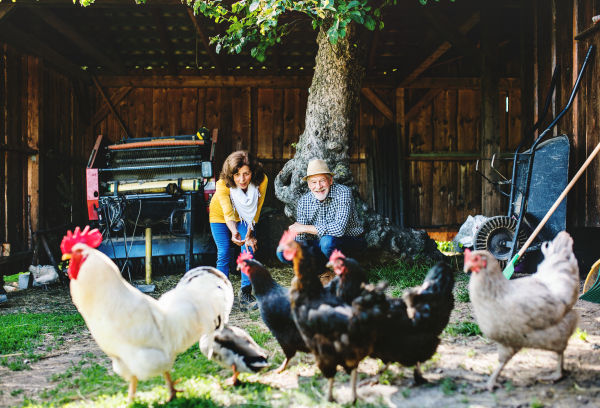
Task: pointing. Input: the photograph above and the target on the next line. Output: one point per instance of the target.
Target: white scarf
(245, 204)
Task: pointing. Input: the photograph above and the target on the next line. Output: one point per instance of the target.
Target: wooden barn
(447, 84)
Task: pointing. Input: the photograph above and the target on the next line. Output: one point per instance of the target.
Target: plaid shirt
(335, 216)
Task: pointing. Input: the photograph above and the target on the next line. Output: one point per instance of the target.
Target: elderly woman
(234, 210)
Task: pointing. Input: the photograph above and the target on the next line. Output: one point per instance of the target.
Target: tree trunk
(333, 102)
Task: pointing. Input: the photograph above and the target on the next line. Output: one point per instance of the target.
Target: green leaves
(257, 21)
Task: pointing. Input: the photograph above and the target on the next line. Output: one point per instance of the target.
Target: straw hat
(317, 167)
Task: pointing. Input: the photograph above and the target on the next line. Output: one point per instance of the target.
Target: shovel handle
(558, 201)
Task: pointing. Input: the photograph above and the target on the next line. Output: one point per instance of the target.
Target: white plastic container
(23, 281)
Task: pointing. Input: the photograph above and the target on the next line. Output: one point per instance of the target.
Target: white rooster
(141, 335)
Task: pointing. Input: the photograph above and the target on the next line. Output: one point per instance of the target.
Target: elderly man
(326, 216)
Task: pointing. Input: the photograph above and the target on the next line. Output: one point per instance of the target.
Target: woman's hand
(236, 237)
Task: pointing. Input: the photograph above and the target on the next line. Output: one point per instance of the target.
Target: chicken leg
(132, 388)
(330, 390)
(170, 386)
(418, 376)
(504, 356)
(560, 371)
(234, 378)
(353, 377)
(282, 367)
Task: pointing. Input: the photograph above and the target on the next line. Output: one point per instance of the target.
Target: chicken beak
(280, 248)
(66, 257)
(329, 265)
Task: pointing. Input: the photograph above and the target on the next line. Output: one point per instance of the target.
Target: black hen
(349, 280)
(274, 306)
(336, 333)
(409, 334)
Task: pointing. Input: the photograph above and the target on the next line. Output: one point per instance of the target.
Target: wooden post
(400, 143)
(490, 108)
(35, 89)
(527, 68)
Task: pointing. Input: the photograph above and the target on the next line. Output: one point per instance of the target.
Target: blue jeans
(323, 248)
(222, 237)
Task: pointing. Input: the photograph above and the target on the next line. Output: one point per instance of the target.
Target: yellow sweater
(221, 209)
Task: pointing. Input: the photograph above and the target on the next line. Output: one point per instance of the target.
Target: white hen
(535, 311)
(141, 335)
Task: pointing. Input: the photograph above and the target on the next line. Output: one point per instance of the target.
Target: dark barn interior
(447, 84)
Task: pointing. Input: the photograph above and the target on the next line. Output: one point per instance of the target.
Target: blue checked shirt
(335, 216)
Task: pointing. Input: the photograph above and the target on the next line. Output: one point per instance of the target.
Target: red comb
(91, 238)
(287, 237)
(244, 256)
(467, 255)
(336, 254)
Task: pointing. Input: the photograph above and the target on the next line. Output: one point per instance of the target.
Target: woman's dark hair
(239, 159)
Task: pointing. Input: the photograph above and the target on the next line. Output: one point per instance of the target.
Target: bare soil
(461, 365)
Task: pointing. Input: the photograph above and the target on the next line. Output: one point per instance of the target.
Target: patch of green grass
(24, 332)
(535, 403)
(580, 334)
(445, 246)
(463, 328)
(448, 386)
(260, 335)
(14, 393)
(400, 275)
(462, 294)
(13, 278)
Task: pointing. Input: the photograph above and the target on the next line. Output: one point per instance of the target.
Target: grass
(463, 328)
(445, 246)
(13, 278)
(26, 331)
(400, 275)
(580, 334)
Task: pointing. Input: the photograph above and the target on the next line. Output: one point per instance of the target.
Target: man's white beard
(321, 195)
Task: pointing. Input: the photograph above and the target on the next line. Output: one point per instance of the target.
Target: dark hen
(336, 333)
(349, 280)
(410, 333)
(274, 306)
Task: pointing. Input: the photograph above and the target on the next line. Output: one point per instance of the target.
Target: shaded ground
(462, 362)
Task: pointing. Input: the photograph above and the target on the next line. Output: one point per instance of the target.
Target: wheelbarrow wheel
(592, 277)
(493, 235)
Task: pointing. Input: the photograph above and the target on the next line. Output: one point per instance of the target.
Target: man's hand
(236, 238)
(301, 228)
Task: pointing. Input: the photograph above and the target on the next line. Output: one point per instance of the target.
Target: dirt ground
(462, 363)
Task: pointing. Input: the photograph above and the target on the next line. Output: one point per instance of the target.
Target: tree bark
(333, 102)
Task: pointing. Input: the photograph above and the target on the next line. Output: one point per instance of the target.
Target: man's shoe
(3, 298)
(247, 301)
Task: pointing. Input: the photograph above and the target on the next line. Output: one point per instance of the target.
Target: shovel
(510, 268)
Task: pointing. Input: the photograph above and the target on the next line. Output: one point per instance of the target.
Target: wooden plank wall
(66, 139)
(556, 23)
(266, 121)
(443, 193)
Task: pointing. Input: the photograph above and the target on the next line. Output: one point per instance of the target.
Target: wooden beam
(31, 45)
(111, 107)
(204, 38)
(104, 109)
(35, 136)
(490, 108)
(159, 21)
(379, 104)
(5, 11)
(17, 149)
(424, 101)
(454, 36)
(401, 143)
(464, 28)
(70, 34)
(289, 82)
(506, 84)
